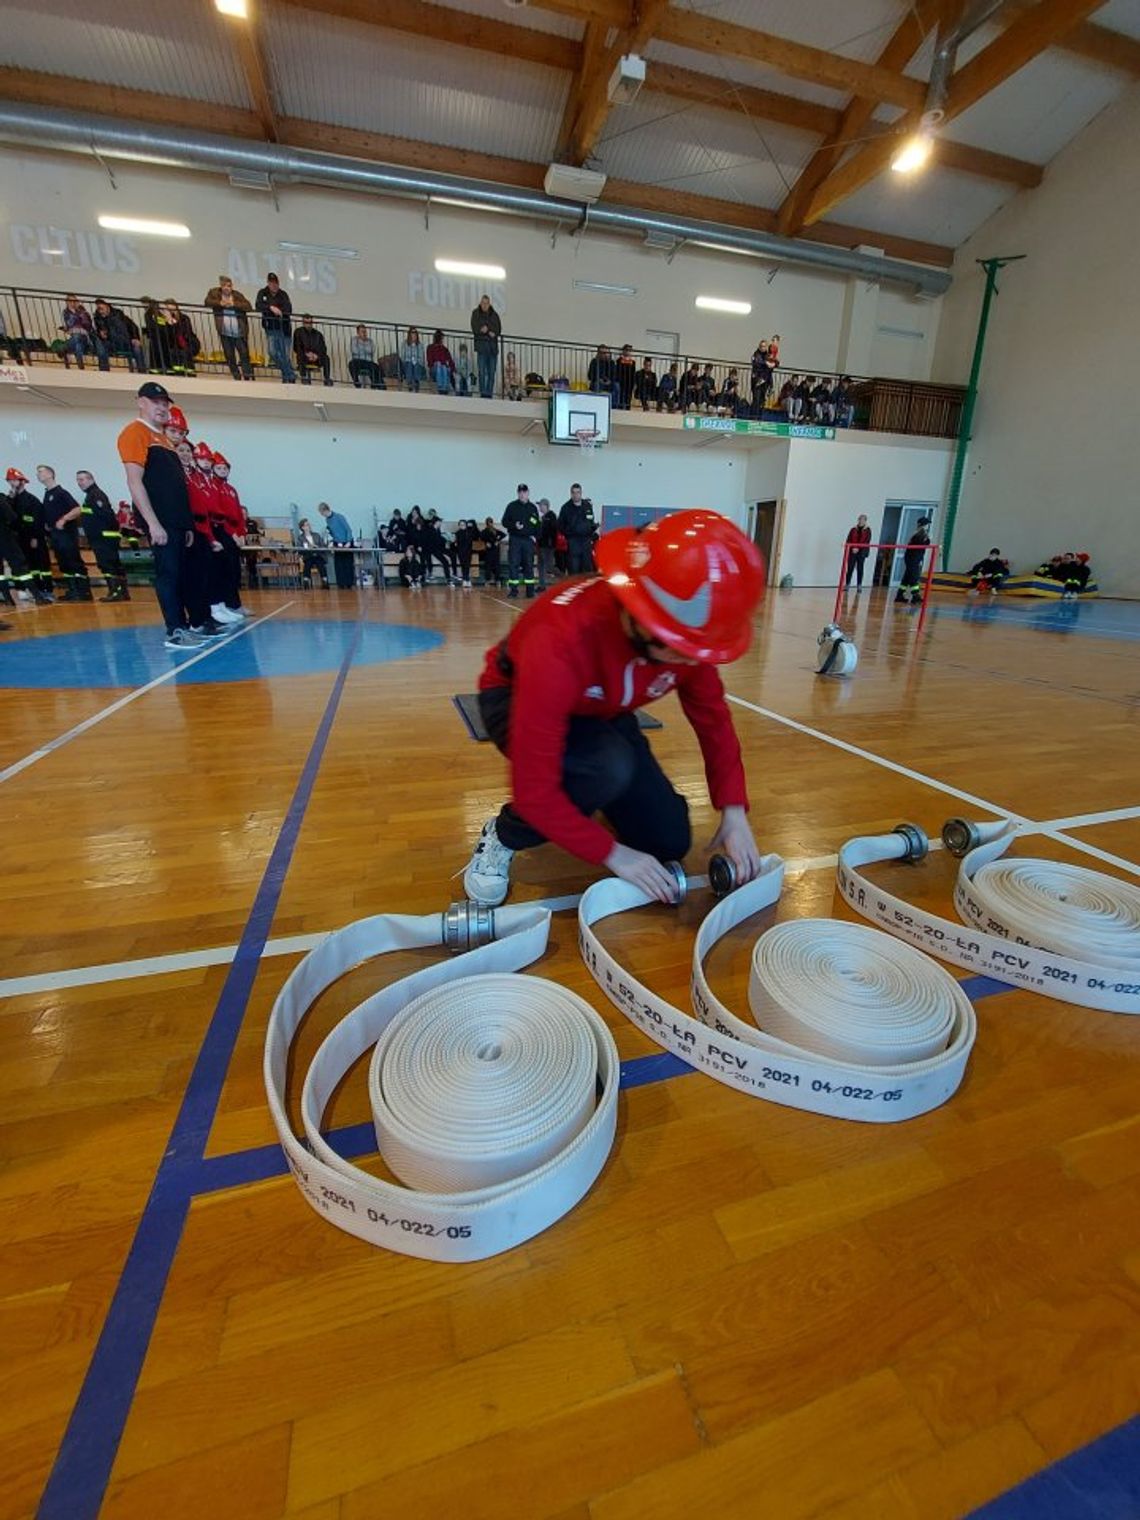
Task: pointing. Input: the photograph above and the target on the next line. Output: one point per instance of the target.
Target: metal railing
(526, 368)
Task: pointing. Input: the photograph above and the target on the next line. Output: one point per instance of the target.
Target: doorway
(763, 515)
(900, 520)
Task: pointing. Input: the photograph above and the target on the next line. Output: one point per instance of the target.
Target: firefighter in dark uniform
(17, 576)
(576, 521)
(522, 524)
(31, 535)
(62, 513)
(101, 525)
(914, 557)
(989, 573)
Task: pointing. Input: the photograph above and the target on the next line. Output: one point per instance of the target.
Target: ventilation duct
(76, 132)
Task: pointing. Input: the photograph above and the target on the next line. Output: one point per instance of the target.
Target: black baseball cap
(522, 486)
(924, 522)
(153, 391)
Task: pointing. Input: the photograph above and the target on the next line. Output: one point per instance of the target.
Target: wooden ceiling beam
(728, 95)
(1027, 36)
(441, 23)
(595, 104)
(30, 88)
(593, 51)
(1097, 44)
(246, 33)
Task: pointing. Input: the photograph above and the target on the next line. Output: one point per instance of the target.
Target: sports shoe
(182, 638)
(487, 879)
(207, 630)
(222, 614)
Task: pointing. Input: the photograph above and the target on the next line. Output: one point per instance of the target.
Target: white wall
(1053, 461)
(356, 466)
(49, 238)
(829, 484)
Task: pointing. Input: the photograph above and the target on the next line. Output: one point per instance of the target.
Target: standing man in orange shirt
(157, 484)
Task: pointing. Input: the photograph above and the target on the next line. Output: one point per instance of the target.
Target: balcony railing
(33, 324)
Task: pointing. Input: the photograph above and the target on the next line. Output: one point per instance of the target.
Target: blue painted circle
(126, 657)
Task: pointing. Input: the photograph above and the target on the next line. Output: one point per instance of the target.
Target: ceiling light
(474, 271)
(716, 303)
(140, 224)
(602, 288)
(319, 250)
(452, 200)
(238, 8)
(723, 248)
(914, 153)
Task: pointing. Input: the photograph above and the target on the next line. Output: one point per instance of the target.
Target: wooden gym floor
(754, 1312)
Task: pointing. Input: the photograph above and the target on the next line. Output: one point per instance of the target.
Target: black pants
(171, 562)
(345, 568)
(318, 562)
(580, 556)
(72, 570)
(202, 580)
(236, 351)
(366, 369)
(520, 563)
(105, 548)
(463, 558)
(491, 566)
(228, 572)
(607, 767)
(855, 562)
(18, 575)
(305, 369)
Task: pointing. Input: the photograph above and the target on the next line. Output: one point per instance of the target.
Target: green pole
(991, 266)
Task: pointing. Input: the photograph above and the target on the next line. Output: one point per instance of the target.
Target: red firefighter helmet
(203, 453)
(692, 579)
(220, 459)
(178, 420)
(1083, 559)
(14, 475)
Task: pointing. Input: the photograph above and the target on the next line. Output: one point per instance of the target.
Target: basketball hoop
(587, 439)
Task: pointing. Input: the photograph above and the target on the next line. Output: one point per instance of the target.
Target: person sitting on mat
(989, 573)
(559, 694)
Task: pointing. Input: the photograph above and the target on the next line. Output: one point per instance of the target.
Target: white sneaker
(222, 614)
(487, 879)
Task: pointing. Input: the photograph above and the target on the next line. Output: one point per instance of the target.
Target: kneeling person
(558, 696)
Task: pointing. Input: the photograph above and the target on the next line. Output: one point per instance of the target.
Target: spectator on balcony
(626, 375)
(440, 364)
(690, 392)
(707, 387)
(413, 360)
(487, 329)
(774, 351)
(116, 337)
(276, 320)
(843, 402)
(182, 340)
(512, 380)
(730, 393)
(310, 351)
(362, 363)
(821, 401)
(667, 398)
(789, 399)
(601, 374)
(464, 374)
(803, 398)
(761, 376)
(231, 317)
(78, 328)
(645, 385)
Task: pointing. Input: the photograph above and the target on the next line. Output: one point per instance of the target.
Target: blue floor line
(1100, 1481)
(82, 1468)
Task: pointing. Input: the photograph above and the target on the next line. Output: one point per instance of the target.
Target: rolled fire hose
(1068, 932)
(844, 1025)
(494, 1097)
(838, 656)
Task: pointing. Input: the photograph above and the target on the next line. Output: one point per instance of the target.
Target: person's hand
(189, 538)
(734, 839)
(158, 535)
(643, 871)
(215, 547)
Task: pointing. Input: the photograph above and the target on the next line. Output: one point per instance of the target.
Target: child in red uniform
(558, 696)
(207, 548)
(228, 523)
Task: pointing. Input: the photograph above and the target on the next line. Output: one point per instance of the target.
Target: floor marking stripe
(132, 696)
(1089, 820)
(78, 1479)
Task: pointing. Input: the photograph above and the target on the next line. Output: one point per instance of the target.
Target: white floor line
(132, 696)
(1048, 828)
(1087, 820)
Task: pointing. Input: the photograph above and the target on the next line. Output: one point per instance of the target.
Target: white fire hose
(837, 656)
(1068, 932)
